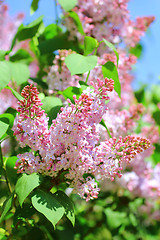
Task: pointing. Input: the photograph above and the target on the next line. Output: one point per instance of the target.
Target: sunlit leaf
(3, 128)
(67, 203)
(21, 55)
(47, 204)
(34, 6)
(52, 106)
(114, 218)
(19, 72)
(8, 118)
(67, 5)
(25, 185)
(137, 50)
(109, 70)
(5, 74)
(104, 125)
(3, 53)
(27, 31)
(78, 64)
(15, 93)
(77, 21)
(89, 44)
(111, 46)
(70, 91)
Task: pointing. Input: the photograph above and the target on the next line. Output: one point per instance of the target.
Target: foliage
(71, 127)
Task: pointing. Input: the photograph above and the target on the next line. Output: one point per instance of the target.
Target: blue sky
(147, 70)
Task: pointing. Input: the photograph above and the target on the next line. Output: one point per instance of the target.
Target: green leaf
(51, 31)
(21, 213)
(133, 219)
(70, 91)
(21, 55)
(3, 234)
(15, 93)
(40, 82)
(140, 93)
(7, 118)
(5, 74)
(84, 85)
(25, 185)
(89, 45)
(137, 50)
(67, 5)
(104, 125)
(19, 72)
(3, 128)
(6, 206)
(27, 31)
(68, 205)
(155, 93)
(34, 6)
(110, 45)
(78, 64)
(77, 21)
(156, 116)
(47, 204)
(52, 106)
(3, 53)
(109, 70)
(114, 218)
(58, 42)
(10, 170)
(30, 30)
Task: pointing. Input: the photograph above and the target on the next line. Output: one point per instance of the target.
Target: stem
(87, 76)
(97, 47)
(4, 170)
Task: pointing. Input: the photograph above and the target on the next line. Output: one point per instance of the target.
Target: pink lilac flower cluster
(121, 122)
(32, 122)
(144, 184)
(99, 21)
(59, 77)
(8, 27)
(124, 72)
(70, 145)
(143, 180)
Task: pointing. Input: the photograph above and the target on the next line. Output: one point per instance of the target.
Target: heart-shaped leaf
(26, 184)
(47, 204)
(78, 64)
(67, 5)
(19, 72)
